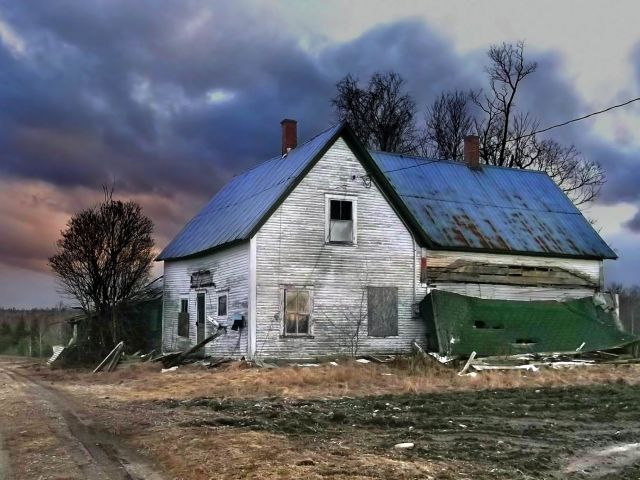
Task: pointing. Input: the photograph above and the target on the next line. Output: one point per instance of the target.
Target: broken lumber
(108, 358)
(178, 360)
(116, 357)
(468, 364)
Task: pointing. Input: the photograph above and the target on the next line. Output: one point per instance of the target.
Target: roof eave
(611, 256)
(201, 253)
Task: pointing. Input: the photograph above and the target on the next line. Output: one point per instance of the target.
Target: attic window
(341, 219)
(202, 279)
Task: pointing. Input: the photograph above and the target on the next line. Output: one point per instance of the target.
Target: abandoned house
(329, 248)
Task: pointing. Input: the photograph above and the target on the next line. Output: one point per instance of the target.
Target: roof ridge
(278, 157)
(453, 162)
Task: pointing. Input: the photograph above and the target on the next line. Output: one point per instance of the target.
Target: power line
(577, 119)
(542, 130)
(410, 166)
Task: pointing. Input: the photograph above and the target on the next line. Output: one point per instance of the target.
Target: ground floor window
(297, 311)
(222, 305)
(183, 318)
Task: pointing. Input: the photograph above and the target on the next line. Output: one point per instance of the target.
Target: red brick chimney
(289, 135)
(472, 151)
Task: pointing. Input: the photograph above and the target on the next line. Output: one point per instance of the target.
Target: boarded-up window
(382, 309)
(201, 279)
(183, 318)
(297, 309)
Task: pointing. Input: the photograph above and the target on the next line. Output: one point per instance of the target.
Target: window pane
(303, 323)
(303, 302)
(184, 305)
(290, 301)
(222, 306)
(345, 210)
(290, 323)
(335, 210)
(341, 231)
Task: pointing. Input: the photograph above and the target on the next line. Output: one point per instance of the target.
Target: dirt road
(54, 437)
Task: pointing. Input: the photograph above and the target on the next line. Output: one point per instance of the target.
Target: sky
(169, 100)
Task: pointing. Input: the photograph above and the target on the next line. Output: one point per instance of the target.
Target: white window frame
(218, 295)
(283, 290)
(327, 217)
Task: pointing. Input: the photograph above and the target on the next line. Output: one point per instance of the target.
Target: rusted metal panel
(291, 250)
(491, 209)
(229, 271)
(233, 213)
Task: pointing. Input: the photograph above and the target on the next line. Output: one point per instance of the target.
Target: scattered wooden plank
(468, 364)
(108, 358)
(177, 360)
(116, 357)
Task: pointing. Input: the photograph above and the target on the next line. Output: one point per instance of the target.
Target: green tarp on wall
(459, 325)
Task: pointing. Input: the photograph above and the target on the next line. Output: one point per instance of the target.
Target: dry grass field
(342, 422)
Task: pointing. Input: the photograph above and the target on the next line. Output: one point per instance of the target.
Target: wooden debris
(109, 359)
(165, 356)
(57, 350)
(404, 446)
(217, 363)
(468, 364)
(180, 358)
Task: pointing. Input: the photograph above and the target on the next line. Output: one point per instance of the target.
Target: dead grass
(204, 453)
(145, 382)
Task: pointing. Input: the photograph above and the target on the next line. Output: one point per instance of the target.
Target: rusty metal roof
(240, 206)
(492, 209)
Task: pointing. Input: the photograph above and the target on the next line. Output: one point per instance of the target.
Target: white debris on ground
(404, 446)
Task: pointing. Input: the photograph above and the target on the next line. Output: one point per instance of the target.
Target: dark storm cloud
(174, 100)
(634, 223)
(106, 89)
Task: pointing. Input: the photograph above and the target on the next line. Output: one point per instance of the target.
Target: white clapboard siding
(230, 270)
(291, 249)
(590, 269)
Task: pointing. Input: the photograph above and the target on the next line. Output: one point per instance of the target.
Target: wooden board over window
(382, 311)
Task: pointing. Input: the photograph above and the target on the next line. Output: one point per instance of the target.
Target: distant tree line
(384, 117)
(33, 332)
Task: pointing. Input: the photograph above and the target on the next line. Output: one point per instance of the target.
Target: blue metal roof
(491, 209)
(239, 207)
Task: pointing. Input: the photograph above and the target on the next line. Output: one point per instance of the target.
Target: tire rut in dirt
(102, 454)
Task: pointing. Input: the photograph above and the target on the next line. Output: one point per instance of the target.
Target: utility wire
(546, 129)
(577, 119)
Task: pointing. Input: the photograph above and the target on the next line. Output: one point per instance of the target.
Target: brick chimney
(289, 135)
(472, 151)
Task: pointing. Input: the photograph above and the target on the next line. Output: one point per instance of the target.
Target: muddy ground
(236, 423)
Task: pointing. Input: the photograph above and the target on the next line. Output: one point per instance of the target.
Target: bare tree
(103, 260)
(381, 114)
(507, 69)
(508, 137)
(447, 121)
